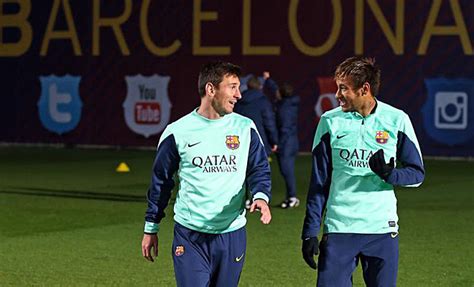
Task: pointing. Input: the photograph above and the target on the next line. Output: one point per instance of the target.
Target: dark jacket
(287, 122)
(256, 106)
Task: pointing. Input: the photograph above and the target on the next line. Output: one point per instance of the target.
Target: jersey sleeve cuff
(261, 195)
(151, 227)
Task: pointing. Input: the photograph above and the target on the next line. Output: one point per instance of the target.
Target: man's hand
(378, 166)
(309, 249)
(260, 204)
(149, 242)
(275, 148)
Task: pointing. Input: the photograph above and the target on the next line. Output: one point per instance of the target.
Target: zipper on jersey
(360, 138)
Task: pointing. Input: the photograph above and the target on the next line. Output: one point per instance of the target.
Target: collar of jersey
(204, 119)
(373, 113)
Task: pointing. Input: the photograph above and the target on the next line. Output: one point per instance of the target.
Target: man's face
(349, 99)
(226, 95)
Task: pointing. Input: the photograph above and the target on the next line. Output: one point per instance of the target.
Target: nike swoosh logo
(394, 234)
(237, 259)
(340, 137)
(191, 145)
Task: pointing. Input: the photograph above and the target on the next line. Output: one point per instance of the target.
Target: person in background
(255, 105)
(352, 182)
(213, 151)
(287, 122)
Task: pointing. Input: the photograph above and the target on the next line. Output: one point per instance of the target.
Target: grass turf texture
(67, 218)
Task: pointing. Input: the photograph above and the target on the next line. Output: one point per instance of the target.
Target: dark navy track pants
(202, 259)
(287, 169)
(341, 252)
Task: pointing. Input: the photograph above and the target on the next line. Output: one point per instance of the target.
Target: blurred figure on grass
(287, 122)
(256, 106)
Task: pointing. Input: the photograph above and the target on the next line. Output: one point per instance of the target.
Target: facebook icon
(60, 106)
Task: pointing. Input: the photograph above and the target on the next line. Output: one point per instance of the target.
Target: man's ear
(210, 89)
(365, 88)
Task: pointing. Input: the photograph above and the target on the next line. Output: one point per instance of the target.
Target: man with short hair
(213, 151)
(352, 182)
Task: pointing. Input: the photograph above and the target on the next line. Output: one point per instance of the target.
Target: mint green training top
(355, 199)
(212, 160)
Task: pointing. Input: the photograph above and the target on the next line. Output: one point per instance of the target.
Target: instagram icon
(450, 110)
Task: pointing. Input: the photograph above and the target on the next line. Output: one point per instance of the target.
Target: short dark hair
(360, 70)
(253, 83)
(286, 90)
(214, 72)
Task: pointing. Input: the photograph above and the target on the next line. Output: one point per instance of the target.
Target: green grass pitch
(68, 219)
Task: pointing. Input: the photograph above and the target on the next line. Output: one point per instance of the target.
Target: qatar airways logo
(216, 163)
(357, 157)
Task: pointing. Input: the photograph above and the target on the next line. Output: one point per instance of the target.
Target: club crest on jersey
(381, 137)
(232, 142)
(179, 251)
(147, 107)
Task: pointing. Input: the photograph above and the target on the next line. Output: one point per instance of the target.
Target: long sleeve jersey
(212, 159)
(355, 199)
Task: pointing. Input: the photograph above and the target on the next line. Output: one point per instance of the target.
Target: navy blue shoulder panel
(412, 171)
(164, 167)
(319, 187)
(258, 169)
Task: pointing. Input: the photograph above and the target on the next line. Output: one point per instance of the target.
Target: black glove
(378, 166)
(309, 249)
